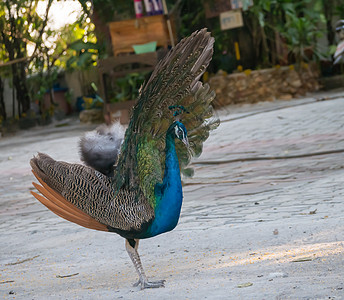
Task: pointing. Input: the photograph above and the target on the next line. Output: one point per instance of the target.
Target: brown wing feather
(63, 208)
(80, 193)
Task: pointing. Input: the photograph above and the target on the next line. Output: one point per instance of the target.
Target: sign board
(213, 8)
(236, 4)
(231, 19)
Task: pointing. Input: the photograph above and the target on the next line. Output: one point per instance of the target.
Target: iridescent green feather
(149, 171)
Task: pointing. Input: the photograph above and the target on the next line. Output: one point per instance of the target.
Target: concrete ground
(262, 218)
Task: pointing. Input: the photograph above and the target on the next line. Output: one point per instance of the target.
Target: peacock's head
(180, 132)
(177, 128)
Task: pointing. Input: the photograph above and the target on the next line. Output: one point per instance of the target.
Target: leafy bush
(127, 87)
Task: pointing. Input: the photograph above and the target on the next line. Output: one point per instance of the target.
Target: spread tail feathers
(100, 148)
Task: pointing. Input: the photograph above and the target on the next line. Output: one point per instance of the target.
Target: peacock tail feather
(175, 81)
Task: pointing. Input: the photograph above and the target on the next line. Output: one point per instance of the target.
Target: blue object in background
(80, 104)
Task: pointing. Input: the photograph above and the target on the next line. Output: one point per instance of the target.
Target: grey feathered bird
(141, 195)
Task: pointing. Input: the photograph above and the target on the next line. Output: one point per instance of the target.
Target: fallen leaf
(243, 285)
(302, 259)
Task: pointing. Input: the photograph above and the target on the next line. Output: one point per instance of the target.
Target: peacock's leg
(131, 246)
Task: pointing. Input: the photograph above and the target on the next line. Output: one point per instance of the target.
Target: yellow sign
(231, 19)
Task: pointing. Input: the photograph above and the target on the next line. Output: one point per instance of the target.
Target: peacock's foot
(145, 284)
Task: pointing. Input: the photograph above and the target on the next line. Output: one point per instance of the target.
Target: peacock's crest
(177, 110)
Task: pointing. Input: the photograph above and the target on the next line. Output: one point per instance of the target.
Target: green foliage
(297, 22)
(72, 49)
(301, 34)
(85, 55)
(20, 26)
(127, 87)
(271, 25)
(78, 44)
(39, 84)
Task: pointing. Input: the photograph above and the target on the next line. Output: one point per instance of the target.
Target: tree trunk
(328, 7)
(19, 81)
(2, 102)
(17, 49)
(265, 47)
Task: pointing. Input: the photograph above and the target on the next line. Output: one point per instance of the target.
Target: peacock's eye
(179, 132)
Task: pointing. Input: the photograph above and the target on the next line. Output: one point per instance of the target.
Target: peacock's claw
(145, 284)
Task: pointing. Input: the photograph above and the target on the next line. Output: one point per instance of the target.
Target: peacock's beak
(186, 141)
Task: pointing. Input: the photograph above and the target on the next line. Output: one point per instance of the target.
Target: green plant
(85, 55)
(296, 24)
(34, 74)
(127, 87)
(20, 25)
(301, 32)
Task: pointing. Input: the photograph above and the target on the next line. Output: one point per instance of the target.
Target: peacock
(131, 182)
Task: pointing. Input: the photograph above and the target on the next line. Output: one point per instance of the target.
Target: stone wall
(264, 85)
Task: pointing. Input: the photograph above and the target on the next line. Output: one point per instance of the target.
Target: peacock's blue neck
(169, 195)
